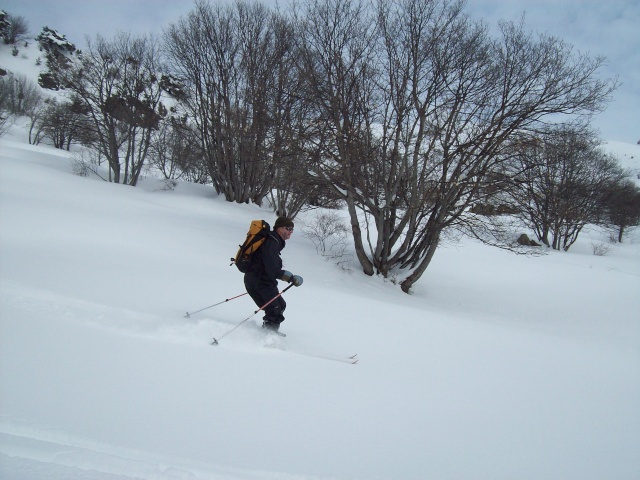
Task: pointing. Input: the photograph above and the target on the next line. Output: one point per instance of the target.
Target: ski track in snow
(27, 453)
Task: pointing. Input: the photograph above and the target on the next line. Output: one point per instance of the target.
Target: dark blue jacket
(266, 263)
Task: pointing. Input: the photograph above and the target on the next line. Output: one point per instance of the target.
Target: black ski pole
(214, 305)
(215, 342)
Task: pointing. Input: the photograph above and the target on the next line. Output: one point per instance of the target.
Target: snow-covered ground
(497, 366)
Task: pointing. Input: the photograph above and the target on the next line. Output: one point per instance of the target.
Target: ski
(326, 356)
(352, 359)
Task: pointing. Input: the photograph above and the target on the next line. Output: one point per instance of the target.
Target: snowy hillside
(499, 366)
(496, 367)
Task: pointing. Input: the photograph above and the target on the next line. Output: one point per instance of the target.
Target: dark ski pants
(262, 291)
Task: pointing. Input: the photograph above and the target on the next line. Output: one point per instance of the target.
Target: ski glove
(286, 276)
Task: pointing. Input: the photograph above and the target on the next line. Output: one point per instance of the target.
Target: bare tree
(62, 123)
(6, 116)
(18, 96)
(229, 59)
(22, 93)
(175, 152)
(562, 184)
(622, 201)
(36, 124)
(117, 83)
(447, 99)
(293, 186)
(336, 53)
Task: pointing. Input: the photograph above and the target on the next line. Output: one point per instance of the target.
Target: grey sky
(596, 27)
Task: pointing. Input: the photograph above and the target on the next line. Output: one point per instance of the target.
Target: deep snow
(497, 366)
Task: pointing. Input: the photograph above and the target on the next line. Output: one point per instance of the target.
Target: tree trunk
(432, 245)
(367, 266)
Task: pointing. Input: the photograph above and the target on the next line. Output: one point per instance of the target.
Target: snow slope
(497, 367)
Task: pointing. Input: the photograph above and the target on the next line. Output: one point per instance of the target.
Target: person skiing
(261, 279)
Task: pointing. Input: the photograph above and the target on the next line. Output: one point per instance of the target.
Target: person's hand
(286, 276)
(296, 280)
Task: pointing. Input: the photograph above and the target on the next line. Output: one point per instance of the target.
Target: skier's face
(285, 232)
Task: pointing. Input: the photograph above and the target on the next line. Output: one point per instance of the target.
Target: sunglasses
(289, 229)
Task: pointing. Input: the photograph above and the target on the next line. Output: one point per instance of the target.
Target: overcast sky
(609, 29)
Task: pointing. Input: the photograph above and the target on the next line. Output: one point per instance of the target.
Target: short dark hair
(283, 222)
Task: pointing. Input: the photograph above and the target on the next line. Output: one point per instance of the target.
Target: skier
(261, 280)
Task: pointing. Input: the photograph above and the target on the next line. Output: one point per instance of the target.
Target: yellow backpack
(257, 234)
